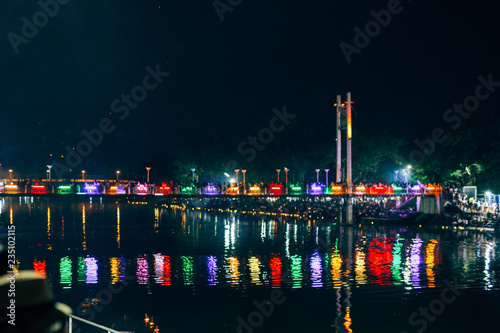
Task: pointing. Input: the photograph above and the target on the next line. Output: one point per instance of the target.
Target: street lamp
(193, 173)
(236, 170)
(286, 176)
(278, 171)
(10, 174)
(117, 174)
(407, 173)
(317, 176)
(148, 168)
(326, 170)
(244, 187)
(49, 171)
(83, 174)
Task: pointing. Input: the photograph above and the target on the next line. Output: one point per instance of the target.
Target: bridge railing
(104, 328)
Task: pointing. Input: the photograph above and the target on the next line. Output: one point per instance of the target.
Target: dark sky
(227, 76)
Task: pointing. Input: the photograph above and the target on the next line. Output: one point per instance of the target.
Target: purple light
(91, 271)
(212, 270)
(316, 188)
(210, 189)
(142, 271)
(316, 270)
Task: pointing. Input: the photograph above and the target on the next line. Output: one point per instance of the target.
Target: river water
(118, 262)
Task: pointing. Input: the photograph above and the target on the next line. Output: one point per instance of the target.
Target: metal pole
(339, 141)
(349, 164)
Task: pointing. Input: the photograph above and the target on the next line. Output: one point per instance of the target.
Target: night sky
(226, 76)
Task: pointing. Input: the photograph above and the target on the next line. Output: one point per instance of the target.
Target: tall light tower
(326, 170)
(83, 174)
(117, 174)
(50, 173)
(236, 170)
(339, 141)
(147, 178)
(278, 171)
(10, 174)
(317, 176)
(244, 186)
(349, 139)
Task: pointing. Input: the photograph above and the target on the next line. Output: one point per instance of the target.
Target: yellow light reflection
(336, 271)
(11, 216)
(49, 230)
(84, 242)
(360, 268)
(115, 270)
(118, 226)
(429, 262)
(254, 264)
(348, 321)
(234, 263)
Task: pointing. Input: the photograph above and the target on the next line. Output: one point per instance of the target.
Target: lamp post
(147, 178)
(278, 171)
(117, 174)
(236, 170)
(10, 174)
(407, 173)
(317, 176)
(49, 171)
(244, 187)
(193, 173)
(326, 170)
(286, 180)
(83, 174)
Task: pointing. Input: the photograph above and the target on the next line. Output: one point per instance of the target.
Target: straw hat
(31, 294)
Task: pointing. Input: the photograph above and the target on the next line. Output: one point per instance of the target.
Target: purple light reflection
(212, 270)
(316, 270)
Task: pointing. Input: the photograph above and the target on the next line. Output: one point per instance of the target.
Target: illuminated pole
(244, 186)
(317, 176)
(349, 164)
(83, 174)
(278, 171)
(147, 179)
(10, 174)
(117, 174)
(193, 173)
(50, 173)
(236, 170)
(339, 141)
(286, 176)
(326, 170)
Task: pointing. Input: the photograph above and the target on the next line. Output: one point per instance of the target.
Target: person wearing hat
(27, 305)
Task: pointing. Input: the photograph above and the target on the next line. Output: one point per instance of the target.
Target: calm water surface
(193, 271)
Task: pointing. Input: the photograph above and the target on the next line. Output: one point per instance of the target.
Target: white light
(226, 174)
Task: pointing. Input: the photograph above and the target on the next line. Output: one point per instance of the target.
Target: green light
(82, 270)
(187, 270)
(296, 271)
(397, 188)
(65, 270)
(64, 187)
(396, 264)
